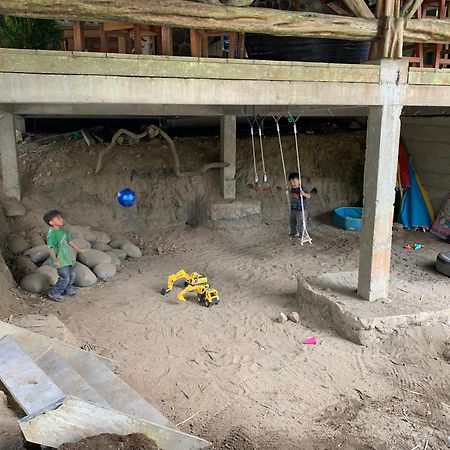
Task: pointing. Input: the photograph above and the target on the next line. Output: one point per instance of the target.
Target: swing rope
(277, 119)
(305, 235)
(252, 133)
(260, 122)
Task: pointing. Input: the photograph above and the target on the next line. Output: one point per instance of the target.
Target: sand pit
(244, 380)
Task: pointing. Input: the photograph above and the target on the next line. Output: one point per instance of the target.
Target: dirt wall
(6, 281)
(60, 175)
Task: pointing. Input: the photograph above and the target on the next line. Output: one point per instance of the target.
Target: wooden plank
(166, 41)
(67, 379)
(77, 419)
(103, 39)
(114, 26)
(178, 67)
(196, 44)
(34, 343)
(33, 390)
(115, 392)
(137, 40)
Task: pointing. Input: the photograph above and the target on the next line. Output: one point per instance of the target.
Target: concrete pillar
(19, 122)
(383, 135)
(8, 156)
(228, 155)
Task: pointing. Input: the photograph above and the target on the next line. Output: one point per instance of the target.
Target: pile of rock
(101, 257)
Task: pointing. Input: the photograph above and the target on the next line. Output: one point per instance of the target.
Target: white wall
(427, 141)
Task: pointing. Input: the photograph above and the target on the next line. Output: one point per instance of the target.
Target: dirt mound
(113, 442)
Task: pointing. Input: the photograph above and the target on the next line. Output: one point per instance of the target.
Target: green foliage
(16, 32)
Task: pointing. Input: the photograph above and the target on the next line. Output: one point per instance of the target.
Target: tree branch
(409, 8)
(359, 8)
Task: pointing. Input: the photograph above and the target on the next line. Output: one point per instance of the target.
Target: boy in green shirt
(60, 244)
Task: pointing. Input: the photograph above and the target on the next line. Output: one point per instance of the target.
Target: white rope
(305, 235)
(262, 152)
(254, 154)
(282, 162)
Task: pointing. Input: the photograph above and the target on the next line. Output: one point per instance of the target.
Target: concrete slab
(234, 214)
(408, 305)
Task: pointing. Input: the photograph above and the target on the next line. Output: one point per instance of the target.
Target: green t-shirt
(58, 239)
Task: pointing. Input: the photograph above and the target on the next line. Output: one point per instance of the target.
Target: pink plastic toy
(310, 341)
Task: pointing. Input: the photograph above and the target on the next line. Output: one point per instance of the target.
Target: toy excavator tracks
(194, 282)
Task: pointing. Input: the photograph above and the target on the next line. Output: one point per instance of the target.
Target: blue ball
(126, 197)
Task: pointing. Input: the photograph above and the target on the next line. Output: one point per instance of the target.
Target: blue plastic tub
(348, 218)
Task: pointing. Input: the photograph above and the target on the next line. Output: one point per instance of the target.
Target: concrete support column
(228, 155)
(19, 122)
(383, 135)
(8, 156)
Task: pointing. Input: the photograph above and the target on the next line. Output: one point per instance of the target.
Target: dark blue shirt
(296, 201)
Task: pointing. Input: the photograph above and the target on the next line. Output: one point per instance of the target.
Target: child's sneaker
(55, 297)
(71, 292)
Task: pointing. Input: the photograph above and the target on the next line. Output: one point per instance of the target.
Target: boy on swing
(299, 202)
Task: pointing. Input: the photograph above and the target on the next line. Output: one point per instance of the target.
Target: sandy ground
(251, 381)
(254, 382)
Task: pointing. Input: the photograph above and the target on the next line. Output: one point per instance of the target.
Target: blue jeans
(64, 285)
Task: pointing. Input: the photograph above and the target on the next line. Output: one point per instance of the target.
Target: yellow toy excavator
(194, 282)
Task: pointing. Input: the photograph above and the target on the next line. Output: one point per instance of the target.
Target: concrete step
(67, 379)
(32, 389)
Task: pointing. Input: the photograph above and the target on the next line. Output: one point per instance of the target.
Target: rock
(114, 258)
(36, 283)
(121, 254)
(50, 272)
(99, 245)
(79, 232)
(25, 265)
(13, 208)
(282, 317)
(294, 317)
(105, 270)
(18, 245)
(84, 276)
(117, 243)
(47, 262)
(36, 240)
(102, 237)
(92, 257)
(397, 226)
(81, 243)
(131, 250)
(38, 254)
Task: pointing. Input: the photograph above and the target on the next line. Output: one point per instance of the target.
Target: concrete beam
(8, 156)
(383, 135)
(228, 155)
(19, 123)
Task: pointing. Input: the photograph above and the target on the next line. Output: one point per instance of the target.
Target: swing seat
(348, 218)
(443, 263)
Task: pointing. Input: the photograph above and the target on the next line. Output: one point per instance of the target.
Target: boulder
(282, 317)
(99, 245)
(38, 254)
(81, 243)
(50, 272)
(121, 254)
(114, 258)
(36, 283)
(25, 266)
(84, 276)
(117, 243)
(36, 240)
(13, 208)
(102, 237)
(17, 245)
(47, 262)
(79, 232)
(294, 317)
(105, 270)
(92, 257)
(131, 250)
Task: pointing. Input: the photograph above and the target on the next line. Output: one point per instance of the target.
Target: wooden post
(205, 45)
(232, 45)
(137, 40)
(78, 36)
(103, 39)
(166, 41)
(196, 44)
(122, 43)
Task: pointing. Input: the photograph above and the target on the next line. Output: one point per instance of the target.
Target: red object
(403, 166)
